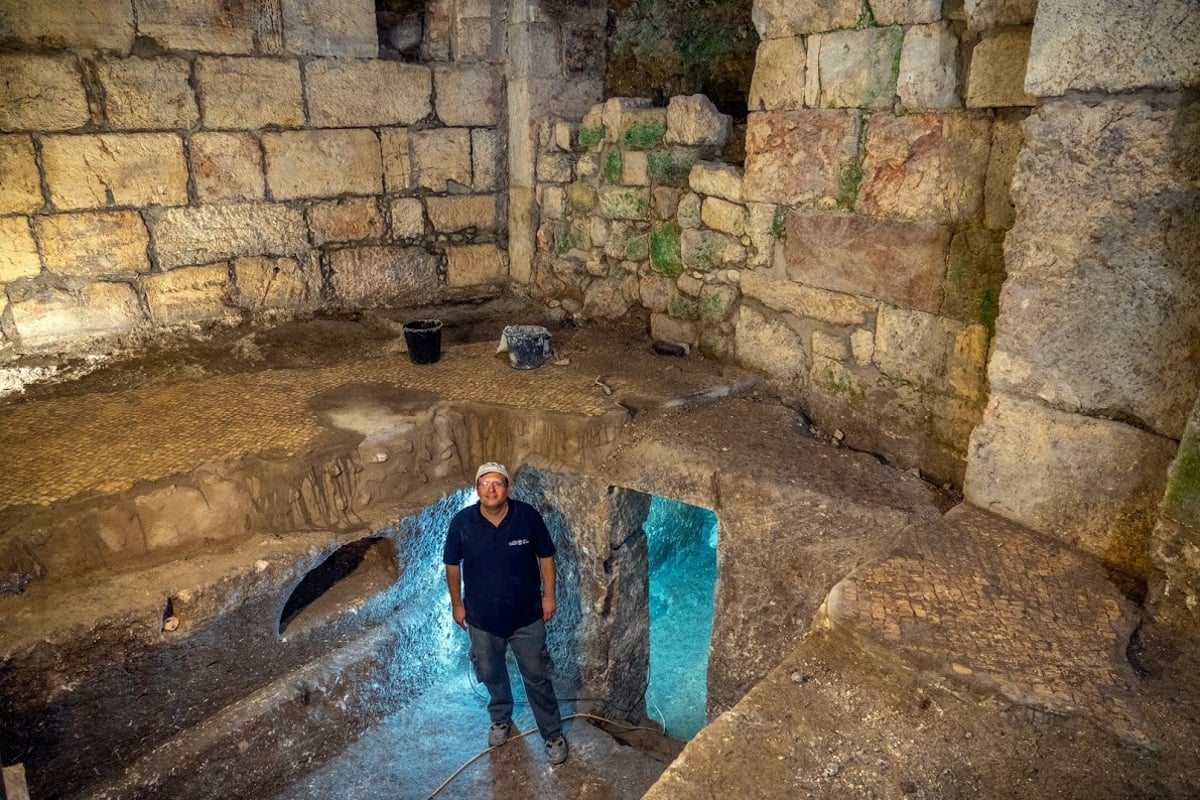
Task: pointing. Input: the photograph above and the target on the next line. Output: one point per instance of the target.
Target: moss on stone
(671, 166)
(582, 197)
(849, 181)
(664, 251)
(1182, 499)
(562, 237)
(612, 166)
(779, 222)
(625, 204)
(590, 137)
(637, 248)
(683, 307)
(643, 135)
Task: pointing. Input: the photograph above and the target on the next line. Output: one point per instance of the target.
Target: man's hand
(549, 606)
(460, 615)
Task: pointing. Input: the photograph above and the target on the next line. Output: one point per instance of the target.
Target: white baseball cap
(490, 466)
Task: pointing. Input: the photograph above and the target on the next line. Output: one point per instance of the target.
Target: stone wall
(167, 163)
(1096, 361)
(856, 257)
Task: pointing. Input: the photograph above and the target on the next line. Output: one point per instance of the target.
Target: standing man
(507, 563)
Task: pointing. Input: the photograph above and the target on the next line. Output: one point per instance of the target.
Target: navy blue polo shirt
(502, 583)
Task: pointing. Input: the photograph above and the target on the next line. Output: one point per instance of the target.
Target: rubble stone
(226, 166)
(191, 294)
(41, 93)
(722, 215)
(800, 157)
(21, 189)
(207, 234)
(778, 80)
(148, 93)
(100, 170)
(323, 163)
(346, 94)
(94, 243)
(694, 121)
(858, 68)
(714, 179)
(249, 93)
(997, 74)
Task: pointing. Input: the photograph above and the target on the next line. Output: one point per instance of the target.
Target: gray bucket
(528, 345)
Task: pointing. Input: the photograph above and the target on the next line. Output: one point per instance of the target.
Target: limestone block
(20, 187)
(460, 212)
(891, 260)
(974, 275)
(67, 24)
(694, 121)
(708, 250)
(553, 202)
(487, 159)
(18, 251)
(468, 95)
(1094, 483)
(765, 343)
(56, 316)
(925, 166)
(366, 93)
(608, 298)
(439, 23)
(94, 244)
(262, 283)
(618, 112)
(206, 26)
(408, 217)
(928, 69)
(323, 163)
(249, 93)
(41, 93)
(1007, 136)
(554, 167)
(1114, 46)
(473, 39)
(346, 220)
(343, 28)
(984, 14)
(226, 166)
(190, 294)
(476, 264)
(148, 93)
(764, 224)
(778, 81)
(904, 12)
(800, 157)
(688, 213)
(935, 354)
(635, 168)
(997, 73)
(373, 277)
(714, 179)
(207, 234)
(835, 308)
(625, 203)
(776, 19)
(826, 345)
(722, 215)
(1098, 307)
(95, 171)
(665, 328)
(397, 163)
(858, 68)
(441, 157)
(666, 201)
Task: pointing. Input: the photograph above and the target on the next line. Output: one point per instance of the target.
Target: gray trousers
(533, 660)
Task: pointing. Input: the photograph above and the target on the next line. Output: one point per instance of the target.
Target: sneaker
(498, 733)
(556, 750)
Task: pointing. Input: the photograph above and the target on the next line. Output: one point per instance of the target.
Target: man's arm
(549, 604)
(454, 583)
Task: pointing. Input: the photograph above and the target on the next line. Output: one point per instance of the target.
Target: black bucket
(528, 345)
(424, 340)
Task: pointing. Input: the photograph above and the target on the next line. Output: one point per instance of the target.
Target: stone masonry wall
(856, 257)
(1096, 362)
(166, 163)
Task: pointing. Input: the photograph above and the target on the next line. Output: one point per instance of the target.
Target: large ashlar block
(693, 121)
(460, 212)
(347, 220)
(191, 294)
(928, 77)
(776, 19)
(476, 264)
(142, 93)
(905, 12)
(324, 163)
(1098, 310)
(370, 277)
(18, 251)
(262, 283)
(367, 93)
(801, 157)
(206, 26)
(985, 14)
(94, 244)
(835, 308)
(778, 81)
(997, 73)
(250, 93)
(468, 95)
(41, 93)
(226, 166)
(207, 234)
(342, 28)
(935, 354)
(858, 68)
(1094, 483)
(68, 24)
(56, 316)
(441, 157)
(925, 166)
(130, 169)
(891, 260)
(20, 187)
(1114, 46)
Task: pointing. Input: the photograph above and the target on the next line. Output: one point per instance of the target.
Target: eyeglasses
(492, 484)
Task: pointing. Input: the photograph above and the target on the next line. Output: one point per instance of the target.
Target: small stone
(170, 624)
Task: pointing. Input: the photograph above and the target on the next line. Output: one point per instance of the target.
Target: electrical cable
(522, 735)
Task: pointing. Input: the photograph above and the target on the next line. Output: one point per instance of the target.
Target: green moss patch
(681, 307)
(590, 137)
(671, 166)
(582, 197)
(612, 166)
(1182, 500)
(637, 248)
(664, 251)
(644, 135)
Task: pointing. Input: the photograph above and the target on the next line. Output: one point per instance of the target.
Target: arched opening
(352, 574)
